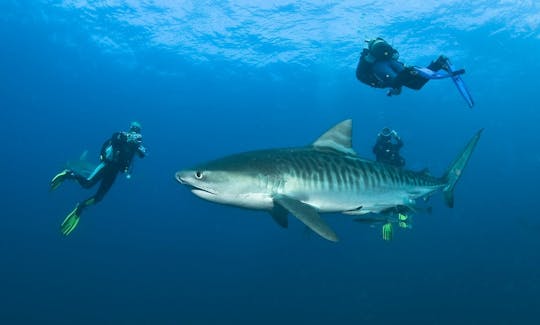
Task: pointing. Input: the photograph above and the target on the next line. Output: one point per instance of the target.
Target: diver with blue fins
(379, 67)
(116, 156)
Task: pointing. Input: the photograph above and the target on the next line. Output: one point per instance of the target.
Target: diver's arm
(365, 73)
(399, 142)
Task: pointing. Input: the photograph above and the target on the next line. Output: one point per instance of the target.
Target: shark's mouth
(201, 192)
(198, 189)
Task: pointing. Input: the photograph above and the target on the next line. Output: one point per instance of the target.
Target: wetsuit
(379, 67)
(116, 156)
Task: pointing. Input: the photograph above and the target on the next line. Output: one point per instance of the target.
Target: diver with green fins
(116, 156)
(403, 221)
(400, 216)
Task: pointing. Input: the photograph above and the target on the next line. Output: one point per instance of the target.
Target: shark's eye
(198, 174)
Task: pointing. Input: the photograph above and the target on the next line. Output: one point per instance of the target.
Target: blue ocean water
(211, 78)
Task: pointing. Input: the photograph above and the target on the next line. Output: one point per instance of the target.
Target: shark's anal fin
(308, 215)
(353, 211)
(279, 214)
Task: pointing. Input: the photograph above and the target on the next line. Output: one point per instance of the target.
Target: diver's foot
(440, 63)
(59, 179)
(457, 72)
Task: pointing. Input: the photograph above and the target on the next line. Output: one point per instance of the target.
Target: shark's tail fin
(456, 168)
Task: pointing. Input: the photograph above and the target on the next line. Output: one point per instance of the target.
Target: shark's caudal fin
(456, 168)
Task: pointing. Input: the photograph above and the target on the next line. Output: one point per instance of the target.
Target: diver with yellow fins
(116, 156)
(400, 215)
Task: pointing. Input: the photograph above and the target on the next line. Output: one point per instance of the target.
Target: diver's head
(135, 127)
(385, 133)
(381, 50)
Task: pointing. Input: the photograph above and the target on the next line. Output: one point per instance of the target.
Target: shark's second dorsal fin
(337, 138)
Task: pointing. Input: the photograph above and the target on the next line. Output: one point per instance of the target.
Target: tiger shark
(324, 177)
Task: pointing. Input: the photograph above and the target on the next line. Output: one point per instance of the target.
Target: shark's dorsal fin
(337, 138)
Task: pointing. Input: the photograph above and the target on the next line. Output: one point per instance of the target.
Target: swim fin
(59, 178)
(387, 231)
(70, 222)
(448, 72)
(460, 84)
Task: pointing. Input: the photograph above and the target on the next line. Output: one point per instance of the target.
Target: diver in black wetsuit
(379, 67)
(387, 146)
(116, 156)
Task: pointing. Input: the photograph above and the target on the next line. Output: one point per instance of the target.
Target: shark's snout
(178, 176)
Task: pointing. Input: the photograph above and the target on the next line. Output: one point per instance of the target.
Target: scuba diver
(379, 67)
(116, 156)
(387, 219)
(387, 146)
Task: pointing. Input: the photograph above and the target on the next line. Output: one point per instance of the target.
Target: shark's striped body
(329, 180)
(325, 177)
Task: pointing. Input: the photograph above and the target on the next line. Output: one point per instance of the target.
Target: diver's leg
(108, 176)
(97, 174)
(410, 78)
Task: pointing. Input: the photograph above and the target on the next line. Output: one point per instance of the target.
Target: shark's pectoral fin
(279, 214)
(308, 215)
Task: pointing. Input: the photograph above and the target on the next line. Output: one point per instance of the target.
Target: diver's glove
(394, 92)
(142, 151)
